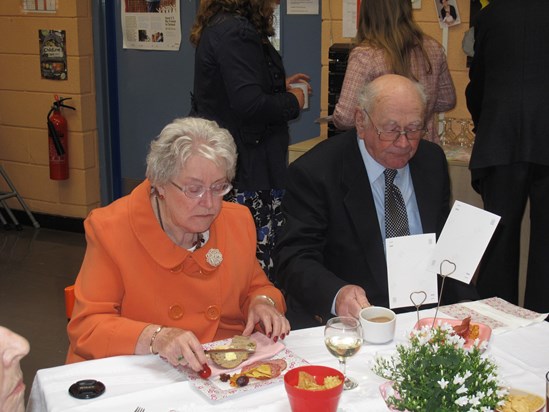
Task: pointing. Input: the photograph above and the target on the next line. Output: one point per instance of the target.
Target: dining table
(520, 351)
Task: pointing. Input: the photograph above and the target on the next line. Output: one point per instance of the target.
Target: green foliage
(434, 372)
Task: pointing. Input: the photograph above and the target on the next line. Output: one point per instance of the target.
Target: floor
(35, 267)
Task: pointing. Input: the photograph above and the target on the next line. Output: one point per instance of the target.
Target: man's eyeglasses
(197, 191)
(393, 135)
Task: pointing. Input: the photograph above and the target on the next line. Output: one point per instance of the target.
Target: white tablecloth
(522, 356)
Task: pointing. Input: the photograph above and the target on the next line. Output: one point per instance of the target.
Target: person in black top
(509, 163)
(240, 83)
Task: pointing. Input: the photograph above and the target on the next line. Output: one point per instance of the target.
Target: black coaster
(87, 389)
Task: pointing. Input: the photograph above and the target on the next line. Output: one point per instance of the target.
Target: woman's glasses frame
(193, 191)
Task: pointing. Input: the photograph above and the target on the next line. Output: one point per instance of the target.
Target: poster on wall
(53, 55)
(349, 14)
(151, 24)
(448, 13)
(39, 6)
(303, 7)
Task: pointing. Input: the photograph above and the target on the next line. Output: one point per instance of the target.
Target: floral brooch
(214, 257)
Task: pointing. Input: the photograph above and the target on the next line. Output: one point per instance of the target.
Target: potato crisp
(522, 403)
(307, 381)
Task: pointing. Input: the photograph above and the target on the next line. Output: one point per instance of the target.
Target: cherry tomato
(206, 372)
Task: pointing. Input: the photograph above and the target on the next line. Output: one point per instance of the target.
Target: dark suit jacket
(331, 236)
(508, 93)
(241, 84)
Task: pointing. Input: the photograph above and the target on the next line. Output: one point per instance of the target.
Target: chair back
(69, 301)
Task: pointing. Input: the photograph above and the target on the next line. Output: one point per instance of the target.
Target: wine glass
(343, 338)
(449, 135)
(441, 132)
(463, 137)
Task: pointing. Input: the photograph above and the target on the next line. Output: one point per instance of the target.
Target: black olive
(242, 380)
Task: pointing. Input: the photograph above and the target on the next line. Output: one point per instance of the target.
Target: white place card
(407, 260)
(463, 240)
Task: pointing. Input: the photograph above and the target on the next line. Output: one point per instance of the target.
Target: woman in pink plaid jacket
(388, 40)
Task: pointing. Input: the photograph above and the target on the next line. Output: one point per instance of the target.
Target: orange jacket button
(175, 312)
(212, 312)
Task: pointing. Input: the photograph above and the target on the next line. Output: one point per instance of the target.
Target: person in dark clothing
(240, 83)
(330, 257)
(507, 99)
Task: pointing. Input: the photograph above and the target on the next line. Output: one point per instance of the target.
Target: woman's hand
(177, 346)
(275, 325)
(298, 78)
(296, 91)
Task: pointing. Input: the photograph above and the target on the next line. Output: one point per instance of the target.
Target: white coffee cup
(305, 89)
(378, 324)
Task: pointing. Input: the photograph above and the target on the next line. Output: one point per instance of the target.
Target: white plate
(216, 390)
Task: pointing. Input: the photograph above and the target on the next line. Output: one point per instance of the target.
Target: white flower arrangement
(435, 372)
(214, 257)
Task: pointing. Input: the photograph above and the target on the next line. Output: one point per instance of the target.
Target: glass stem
(343, 367)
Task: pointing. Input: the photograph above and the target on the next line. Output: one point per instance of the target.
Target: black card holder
(87, 389)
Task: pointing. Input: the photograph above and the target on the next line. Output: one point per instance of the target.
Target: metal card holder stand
(444, 274)
(7, 195)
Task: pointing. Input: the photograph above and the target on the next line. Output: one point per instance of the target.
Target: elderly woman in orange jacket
(171, 265)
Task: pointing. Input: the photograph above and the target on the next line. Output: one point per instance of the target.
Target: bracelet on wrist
(153, 338)
(267, 298)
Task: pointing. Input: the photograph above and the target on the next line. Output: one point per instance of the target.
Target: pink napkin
(265, 349)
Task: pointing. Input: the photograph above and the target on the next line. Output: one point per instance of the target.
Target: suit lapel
(423, 184)
(359, 203)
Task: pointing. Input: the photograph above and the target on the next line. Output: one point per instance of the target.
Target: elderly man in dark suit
(508, 97)
(330, 256)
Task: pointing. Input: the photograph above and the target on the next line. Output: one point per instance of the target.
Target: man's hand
(350, 300)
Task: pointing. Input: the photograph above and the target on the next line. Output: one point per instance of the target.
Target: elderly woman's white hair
(183, 138)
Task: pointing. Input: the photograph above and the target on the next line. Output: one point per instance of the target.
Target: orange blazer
(133, 275)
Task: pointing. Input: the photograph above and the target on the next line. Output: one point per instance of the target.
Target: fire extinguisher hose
(57, 105)
(53, 133)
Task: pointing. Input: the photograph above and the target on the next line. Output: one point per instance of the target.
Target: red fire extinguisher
(58, 140)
